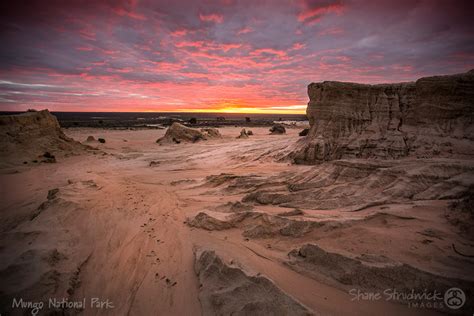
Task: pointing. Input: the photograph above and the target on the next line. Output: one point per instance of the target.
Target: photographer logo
(454, 298)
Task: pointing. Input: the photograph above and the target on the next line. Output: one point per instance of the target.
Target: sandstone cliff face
(29, 124)
(27, 136)
(427, 118)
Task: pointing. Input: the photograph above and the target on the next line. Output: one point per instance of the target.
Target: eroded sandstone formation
(27, 137)
(228, 290)
(178, 133)
(432, 117)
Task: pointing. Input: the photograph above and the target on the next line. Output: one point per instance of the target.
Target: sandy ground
(117, 227)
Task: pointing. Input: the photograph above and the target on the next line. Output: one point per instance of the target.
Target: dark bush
(48, 155)
(304, 132)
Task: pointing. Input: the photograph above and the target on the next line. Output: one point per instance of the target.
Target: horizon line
(174, 112)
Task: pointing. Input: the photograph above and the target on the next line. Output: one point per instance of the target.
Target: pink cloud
(331, 31)
(87, 34)
(244, 30)
(197, 44)
(298, 46)
(179, 33)
(85, 48)
(276, 52)
(216, 18)
(314, 14)
(123, 12)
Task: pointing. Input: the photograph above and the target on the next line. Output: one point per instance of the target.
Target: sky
(219, 56)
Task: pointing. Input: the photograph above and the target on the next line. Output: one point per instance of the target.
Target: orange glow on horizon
(241, 110)
(290, 110)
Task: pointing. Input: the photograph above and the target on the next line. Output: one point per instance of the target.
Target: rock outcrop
(277, 129)
(32, 136)
(228, 290)
(178, 133)
(356, 273)
(304, 132)
(243, 134)
(210, 132)
(428, 118)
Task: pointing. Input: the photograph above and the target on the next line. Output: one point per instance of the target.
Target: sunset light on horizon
(219, 56)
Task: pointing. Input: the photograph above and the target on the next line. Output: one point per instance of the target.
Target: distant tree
(193, 120)
(247, 119)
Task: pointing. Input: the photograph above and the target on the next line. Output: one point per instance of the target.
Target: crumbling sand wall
(428, 118)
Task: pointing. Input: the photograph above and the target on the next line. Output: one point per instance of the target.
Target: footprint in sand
(170, 283)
